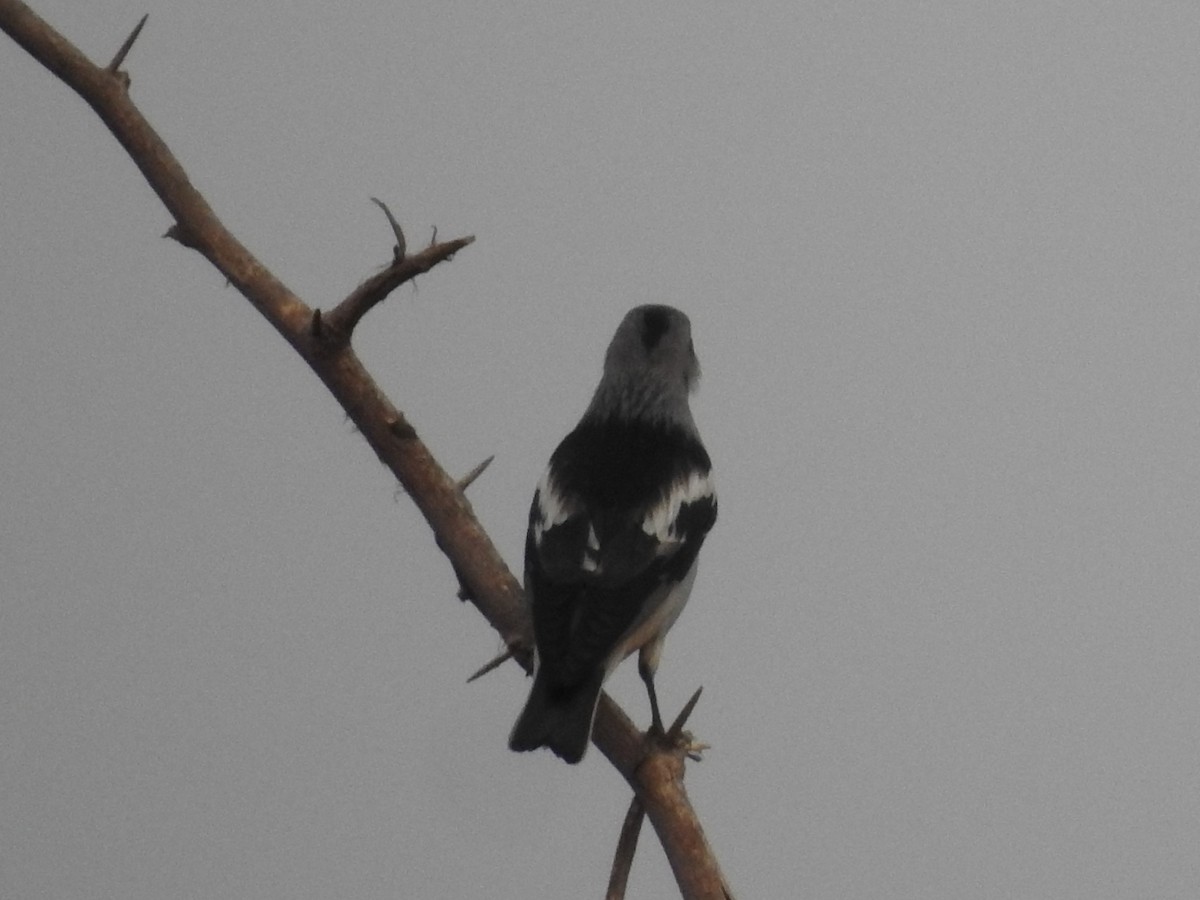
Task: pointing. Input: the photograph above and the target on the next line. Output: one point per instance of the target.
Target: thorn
(677, 726)
(467, 480)
(316, 326)
(401, 248)
(492, 664)
(180, 234)
(433, 240)
(126, 47)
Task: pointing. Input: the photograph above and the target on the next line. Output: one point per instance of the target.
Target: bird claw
(682, 742)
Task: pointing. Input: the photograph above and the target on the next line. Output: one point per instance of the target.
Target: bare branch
(195, 218)
(127, 46)
(659, 783)
(656, 774)
(626, 848)
(346, 315)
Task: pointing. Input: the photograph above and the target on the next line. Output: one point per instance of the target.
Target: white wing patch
(659, 522)
(591, 556)
(660, 519)
(554, 508)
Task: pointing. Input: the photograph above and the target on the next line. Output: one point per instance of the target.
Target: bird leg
(647, 673)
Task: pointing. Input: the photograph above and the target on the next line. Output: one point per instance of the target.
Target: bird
(615, 529)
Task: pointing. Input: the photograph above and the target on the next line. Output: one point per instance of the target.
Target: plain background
(941, 262)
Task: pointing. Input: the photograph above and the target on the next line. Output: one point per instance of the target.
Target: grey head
(649, 369)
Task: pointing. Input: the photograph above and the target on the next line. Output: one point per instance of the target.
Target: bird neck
(642, 400)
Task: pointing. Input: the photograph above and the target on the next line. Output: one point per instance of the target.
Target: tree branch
(626, 847)
(343, 318)
(654, 770)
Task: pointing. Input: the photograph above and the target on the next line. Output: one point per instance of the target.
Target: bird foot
(674, 741)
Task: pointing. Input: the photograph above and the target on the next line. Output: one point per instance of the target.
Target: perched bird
(614, 530)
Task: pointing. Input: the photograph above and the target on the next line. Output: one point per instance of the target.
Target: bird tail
(560, 720)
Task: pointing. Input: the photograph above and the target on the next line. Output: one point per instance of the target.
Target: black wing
(621, 514)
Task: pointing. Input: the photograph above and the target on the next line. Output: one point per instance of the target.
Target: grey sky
(940, 261)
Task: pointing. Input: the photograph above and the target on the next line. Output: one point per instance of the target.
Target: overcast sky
(941, 264)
